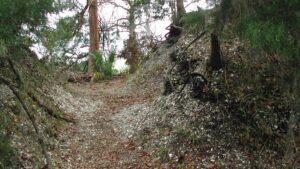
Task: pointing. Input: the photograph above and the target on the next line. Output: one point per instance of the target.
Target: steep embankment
(237, 117)
(29, 118)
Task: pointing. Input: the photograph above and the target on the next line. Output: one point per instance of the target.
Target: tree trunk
(180, 8)
(132, 44)
(131, 19)
(215, 61)
(175, 27)
(149, 33)
(173, 9)
(94, 33)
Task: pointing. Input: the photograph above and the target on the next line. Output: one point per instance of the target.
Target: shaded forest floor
(93, 141)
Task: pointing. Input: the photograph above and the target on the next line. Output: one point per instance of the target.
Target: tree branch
(79, 24)
(197, 38)
(117, 5)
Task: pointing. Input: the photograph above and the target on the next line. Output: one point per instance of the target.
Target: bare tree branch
(80, 19)
(117, 5)
(194, 1)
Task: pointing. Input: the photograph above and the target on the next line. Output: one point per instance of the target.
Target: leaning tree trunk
(94, 33)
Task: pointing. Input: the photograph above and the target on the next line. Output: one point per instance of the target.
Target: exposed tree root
(28, 111)
(49, 107)
(22, 96)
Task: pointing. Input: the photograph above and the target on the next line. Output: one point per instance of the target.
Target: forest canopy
(19, 19)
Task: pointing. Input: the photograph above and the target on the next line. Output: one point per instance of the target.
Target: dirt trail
(93, 142)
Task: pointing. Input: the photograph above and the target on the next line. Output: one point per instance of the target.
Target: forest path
(93, 142)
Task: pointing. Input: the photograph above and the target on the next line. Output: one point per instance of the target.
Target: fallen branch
(49, 107)
(197, 38)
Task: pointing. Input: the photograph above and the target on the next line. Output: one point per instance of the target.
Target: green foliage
(270, 26)
(138, 3)
(61, 5)
(97, 76)
(56, 40)
(103, 65)
(57, 114)
(19, 18)
(111, 57)
(62, 33)
(269, 67)
(194, 21)
(23, 23)
(273, 38)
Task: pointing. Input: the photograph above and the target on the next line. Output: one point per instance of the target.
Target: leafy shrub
(274, 38)
(17, 15)
(104, 66)
(194, 21)
(271, 26)
(115, 71)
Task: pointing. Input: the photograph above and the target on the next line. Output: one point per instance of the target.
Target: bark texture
(215, 61)
(94, 33)
(180, 8)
